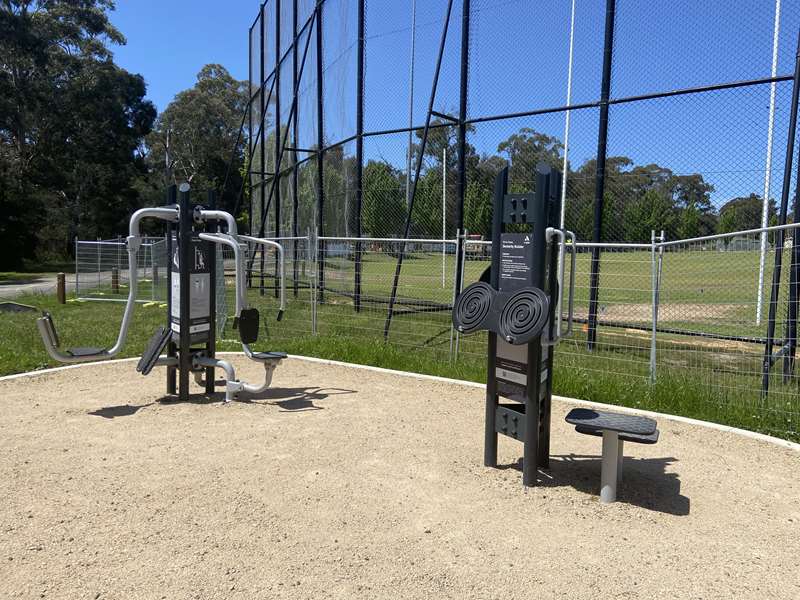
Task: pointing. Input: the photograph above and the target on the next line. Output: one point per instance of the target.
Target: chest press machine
(189, 335)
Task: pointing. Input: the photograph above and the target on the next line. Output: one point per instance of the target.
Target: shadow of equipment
(294, 399)
(645, 481)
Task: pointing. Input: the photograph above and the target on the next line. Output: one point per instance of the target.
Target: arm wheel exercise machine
(521, 307)
(519, 301)
(189, 336)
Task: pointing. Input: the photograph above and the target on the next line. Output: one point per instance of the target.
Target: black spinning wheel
(524, 315)
(472, 307)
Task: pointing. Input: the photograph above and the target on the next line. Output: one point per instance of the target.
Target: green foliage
(71, 124)
(383, 202)
(194, 137)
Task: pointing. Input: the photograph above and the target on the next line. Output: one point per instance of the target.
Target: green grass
(696, 378)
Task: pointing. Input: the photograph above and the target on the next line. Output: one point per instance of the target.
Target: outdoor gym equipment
(189, 336)
(519, 302)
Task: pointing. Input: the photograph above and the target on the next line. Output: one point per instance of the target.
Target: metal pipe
(768, 166)
(279, 248)
(220, 215)
(133, 242)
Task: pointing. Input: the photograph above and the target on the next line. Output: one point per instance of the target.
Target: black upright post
(211, 341)
(794, 267)
(462, 139)
(320, 161)
(295, 138)
(779, 235)
(172, 348)
(490, 431)
(184, 261)
(263, 144)
(600, 176)
(359, 150)
(794, 293)
(277, 185)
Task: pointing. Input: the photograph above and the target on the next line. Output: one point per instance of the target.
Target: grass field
(712, 292)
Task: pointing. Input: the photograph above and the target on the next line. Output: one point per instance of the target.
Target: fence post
(320, 147)
(462, 135)
(77, 268)
(600, 177)
(359, 151)
(98, 262)
(295, 144)
(61, 288)
(316, 277)
(115, 280)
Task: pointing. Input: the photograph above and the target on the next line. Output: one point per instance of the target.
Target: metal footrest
(265, 356)
(154, 349)
(84, 351)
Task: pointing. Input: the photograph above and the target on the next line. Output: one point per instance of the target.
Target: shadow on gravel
(294, 399)
(288, 399)
(123, 410)
(645, 481)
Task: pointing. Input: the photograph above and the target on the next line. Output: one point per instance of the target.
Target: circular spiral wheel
(524, 315)
(472, 306)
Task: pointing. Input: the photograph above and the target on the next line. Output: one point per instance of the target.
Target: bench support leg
(610, 465)
(620, 454)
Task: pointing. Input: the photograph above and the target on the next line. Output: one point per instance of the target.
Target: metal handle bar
(279, 248)
(562, 236)
(45, 323)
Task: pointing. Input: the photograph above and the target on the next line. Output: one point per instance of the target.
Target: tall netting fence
(390, 119)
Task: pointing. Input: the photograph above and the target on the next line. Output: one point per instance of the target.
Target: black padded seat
(625, 437)
(269, 355)
(609, 421)
(77, 352)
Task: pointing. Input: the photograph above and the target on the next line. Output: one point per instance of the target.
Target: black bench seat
(620, 423)
(615, 429)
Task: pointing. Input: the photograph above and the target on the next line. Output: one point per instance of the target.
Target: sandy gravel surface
(344, 483)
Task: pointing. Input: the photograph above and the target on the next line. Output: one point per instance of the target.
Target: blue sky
(519, 52)
(169, 41)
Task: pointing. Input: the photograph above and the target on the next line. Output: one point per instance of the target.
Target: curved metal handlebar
(279, 248)
(45, 323)
(562, 236)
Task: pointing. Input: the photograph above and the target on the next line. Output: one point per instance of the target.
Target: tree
(743, 213)
(383, 202)
(525, 150)
(71, 125)
(193, 139)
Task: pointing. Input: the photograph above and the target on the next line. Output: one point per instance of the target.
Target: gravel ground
(346, 483)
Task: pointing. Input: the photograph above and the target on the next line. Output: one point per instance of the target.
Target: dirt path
(344, 483)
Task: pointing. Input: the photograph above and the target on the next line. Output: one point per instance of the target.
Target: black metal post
(172, 349)
(359, 150)
(211, 342)
(779, 235)
(295, 144)
(184, 262)
(263, 135)
(249, 162)
(490, 431)
(462, 140)
(417, 171)
(320, 161)
(600, 177)
(278, 149)
(794, 293)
